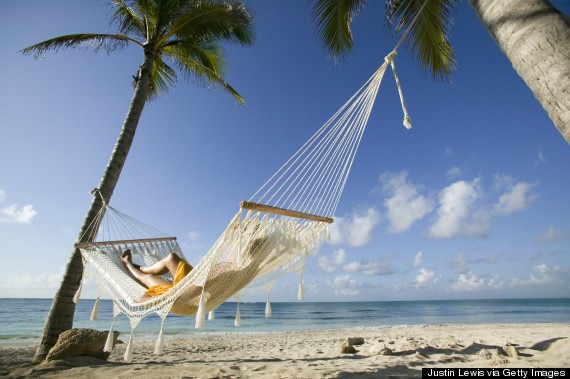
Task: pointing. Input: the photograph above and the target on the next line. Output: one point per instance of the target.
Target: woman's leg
(146, 279)
(161, 267)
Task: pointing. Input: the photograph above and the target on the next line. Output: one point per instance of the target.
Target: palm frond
(207, 52)
(202, 66)
(224, 21)
(127, 19)
(142, 8)
(332, 19)
(107, 42)
(428, 38)
(162, 78)
(164, 13)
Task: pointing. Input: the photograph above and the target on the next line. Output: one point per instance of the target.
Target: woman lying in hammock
(148, 275)
(222, 275)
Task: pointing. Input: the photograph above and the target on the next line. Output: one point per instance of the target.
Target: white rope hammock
(273, 233)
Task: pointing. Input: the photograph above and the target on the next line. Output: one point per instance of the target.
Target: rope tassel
(128, 357)
(407, 121)
(109, 345)
(301, 294)
(78, 293)
(237, 322)
(160, 341)
(95, 310)
(267, 308)
(211, 315)
(201, 314)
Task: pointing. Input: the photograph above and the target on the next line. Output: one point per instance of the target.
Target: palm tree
(533, 35)
(183, 33)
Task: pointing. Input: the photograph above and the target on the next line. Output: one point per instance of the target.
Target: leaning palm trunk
(535, 37)
(60, 317)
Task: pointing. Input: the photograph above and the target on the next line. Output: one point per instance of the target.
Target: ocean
(22, 320)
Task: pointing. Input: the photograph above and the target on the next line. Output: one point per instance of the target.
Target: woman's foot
(127, 259)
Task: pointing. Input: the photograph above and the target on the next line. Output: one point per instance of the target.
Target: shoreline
(316, 353)
(149, 337)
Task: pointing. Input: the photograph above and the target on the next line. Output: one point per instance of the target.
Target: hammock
(273, 233)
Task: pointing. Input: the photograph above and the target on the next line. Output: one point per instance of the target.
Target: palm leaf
(207, 52)
(220, 20)
(108, 42)
(163, 76)
(164, 13)
(428, 36)
(127, 20)
(333, 18)
(202, 66)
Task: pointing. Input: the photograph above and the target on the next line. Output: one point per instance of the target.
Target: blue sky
(472, 202)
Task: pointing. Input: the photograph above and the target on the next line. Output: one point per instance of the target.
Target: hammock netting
(273, 233)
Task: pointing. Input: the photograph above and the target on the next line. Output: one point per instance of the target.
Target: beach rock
(84, 342)
(346, 348)
(380, 349)
(355, 341)
(375, 349)
(511, 350)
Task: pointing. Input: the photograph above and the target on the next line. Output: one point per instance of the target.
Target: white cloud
(24, 215)
(43, 285)
(470, 282)
(194, 243)
(540, 158)
(313, 286)
(369, 267)
(502, 182)
(456, 201)
(553, 235)
(343, 285)
(457, 214)
(355, 231)
(492, 259)
(546, 275)
(459, 262)
(453, 172)
(331, 264)
(516, 199)
(495, 282)
(351, 267)
(418, 259)
(12, 213)
(405, 205)
(424, 277)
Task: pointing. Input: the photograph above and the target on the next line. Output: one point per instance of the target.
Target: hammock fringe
(109, 345)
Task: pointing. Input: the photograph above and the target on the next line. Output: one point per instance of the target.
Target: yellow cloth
(181, 271)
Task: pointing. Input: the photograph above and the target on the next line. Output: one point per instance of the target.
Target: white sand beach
(315, 354)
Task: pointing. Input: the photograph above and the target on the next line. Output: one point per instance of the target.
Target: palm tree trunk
(535, 37)
(60, 317)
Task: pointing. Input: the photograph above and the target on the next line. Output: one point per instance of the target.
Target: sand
(315, 354)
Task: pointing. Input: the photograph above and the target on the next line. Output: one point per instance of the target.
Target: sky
(472, 202)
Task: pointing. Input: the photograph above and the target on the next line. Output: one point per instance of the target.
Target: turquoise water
(21, 320)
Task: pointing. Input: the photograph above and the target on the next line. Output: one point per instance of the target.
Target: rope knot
(97, 191)
(390, 57)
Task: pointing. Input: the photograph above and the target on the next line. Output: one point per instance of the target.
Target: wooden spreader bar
(123, 242)
(283, 212)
